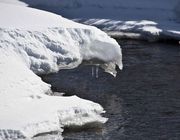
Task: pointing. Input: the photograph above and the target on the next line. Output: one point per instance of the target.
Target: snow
(114, 16)
(14, 2)
(147, 30)
(67, 41)
(37, 42)
(31, 19)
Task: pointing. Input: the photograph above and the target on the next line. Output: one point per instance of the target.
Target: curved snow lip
(70, 42)
(25, 50)
(52, 49)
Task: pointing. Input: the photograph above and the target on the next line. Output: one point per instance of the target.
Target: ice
(97, 71)
(92, 72)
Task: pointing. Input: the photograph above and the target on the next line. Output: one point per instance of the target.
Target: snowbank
(34, 41)
(52, 42)
(121, 18)
(144, 29)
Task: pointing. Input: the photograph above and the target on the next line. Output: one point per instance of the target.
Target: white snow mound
(34, 41)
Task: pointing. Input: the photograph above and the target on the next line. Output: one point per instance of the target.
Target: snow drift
(33, 41)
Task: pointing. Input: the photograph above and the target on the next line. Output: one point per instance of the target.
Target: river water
(142, 102)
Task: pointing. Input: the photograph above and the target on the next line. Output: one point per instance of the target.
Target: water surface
(142, 102)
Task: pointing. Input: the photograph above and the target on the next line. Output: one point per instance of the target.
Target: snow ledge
(41, 48)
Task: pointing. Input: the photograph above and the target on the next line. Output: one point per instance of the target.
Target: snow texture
(37, 42)
(143, 19)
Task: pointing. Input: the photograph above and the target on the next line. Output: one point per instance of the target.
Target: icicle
(59, 134)
(97, 71)
(92, 71)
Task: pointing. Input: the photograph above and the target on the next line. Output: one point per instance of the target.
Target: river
(142, 102)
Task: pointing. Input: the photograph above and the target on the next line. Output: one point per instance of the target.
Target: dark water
(142, 102)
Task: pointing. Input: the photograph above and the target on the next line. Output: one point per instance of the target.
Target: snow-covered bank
(146, 30)
(33, 41)
(143, 19)
(61, 43)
